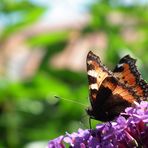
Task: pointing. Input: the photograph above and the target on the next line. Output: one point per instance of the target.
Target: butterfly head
(89, 111)
(102, 115)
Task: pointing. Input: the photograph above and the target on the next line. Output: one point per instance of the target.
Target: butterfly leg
(90, 127)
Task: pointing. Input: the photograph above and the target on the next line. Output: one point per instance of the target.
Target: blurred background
(43, 47)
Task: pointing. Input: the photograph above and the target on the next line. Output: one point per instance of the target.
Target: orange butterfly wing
(126, 72)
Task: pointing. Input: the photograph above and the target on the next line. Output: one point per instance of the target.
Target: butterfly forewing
(126, 72)
(96, 74)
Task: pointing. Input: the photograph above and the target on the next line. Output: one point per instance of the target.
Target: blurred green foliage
(28, 109)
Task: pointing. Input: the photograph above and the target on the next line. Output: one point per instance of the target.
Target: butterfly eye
(89, 111)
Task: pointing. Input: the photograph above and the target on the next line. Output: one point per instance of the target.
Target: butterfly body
(112, 92)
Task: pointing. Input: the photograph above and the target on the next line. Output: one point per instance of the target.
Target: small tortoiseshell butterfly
(111, 92)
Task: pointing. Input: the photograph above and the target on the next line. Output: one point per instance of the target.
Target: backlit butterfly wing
(126, 72)
(107, 95)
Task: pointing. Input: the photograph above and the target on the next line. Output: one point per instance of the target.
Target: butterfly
(111, 92)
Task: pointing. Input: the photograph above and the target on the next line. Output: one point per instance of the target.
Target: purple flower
(130, 132)
(56, 143)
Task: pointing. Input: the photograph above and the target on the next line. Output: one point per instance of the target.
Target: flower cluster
(122, 133)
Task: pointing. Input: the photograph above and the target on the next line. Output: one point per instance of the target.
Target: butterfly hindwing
(126, 72)
(111, 99)
(118, 89)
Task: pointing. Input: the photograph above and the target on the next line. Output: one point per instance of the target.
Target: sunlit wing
(119, 90)
(126, 72)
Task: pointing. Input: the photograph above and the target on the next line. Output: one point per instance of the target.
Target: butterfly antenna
(57, 97)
